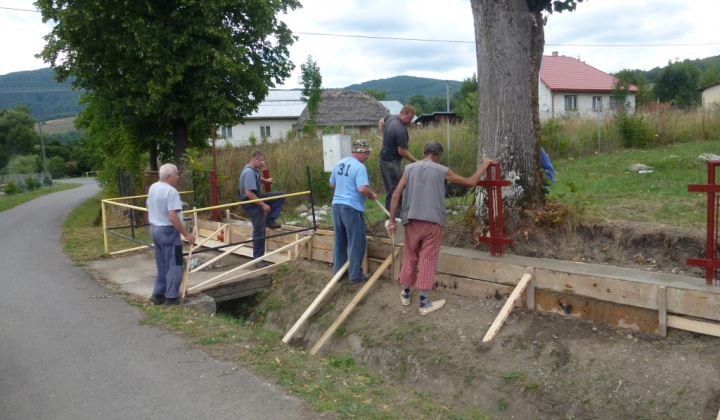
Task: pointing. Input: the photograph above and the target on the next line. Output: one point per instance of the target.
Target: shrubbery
(11, 187)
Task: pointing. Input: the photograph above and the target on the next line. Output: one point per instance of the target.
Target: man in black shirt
(394, 149)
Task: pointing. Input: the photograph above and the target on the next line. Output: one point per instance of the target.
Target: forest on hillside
(36, 89)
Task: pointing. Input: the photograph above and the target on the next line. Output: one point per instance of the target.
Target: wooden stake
(530, 293)
(495, 327)
(662, 311)
(183, 285)
(353, 303)
(313, 306)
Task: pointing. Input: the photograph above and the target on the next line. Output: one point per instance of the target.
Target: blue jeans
(349, 227)
(391, 171)
(258, 219)
(168, 260)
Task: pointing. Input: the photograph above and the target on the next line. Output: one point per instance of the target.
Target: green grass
(10, 201)
(605, 186)
(83, 234)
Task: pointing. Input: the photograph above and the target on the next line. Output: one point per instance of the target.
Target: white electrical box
(335, 148)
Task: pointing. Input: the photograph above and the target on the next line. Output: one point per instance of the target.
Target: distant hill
(702, 64)
(46, 98)
(400, 88)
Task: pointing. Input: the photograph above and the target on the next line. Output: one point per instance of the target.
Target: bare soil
(539, 366)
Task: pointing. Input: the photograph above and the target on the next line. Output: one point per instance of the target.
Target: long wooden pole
(353, 303)
(309, 311)
(495, 327)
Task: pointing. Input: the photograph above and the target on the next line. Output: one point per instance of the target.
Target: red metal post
(712, 258)
(494, 184)
(266, 175)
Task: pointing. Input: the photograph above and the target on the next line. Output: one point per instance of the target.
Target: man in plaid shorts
(422, 188)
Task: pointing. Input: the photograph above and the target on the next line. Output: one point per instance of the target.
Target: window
(265, 131)
(570, 102)
(597, 103)
(226, 132)
(615, 104)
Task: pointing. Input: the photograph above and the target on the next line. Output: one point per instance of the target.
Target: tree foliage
(171, 66)
(378, 94)
(311, 80)
(678, 82)
(17, 134)
(626, 78)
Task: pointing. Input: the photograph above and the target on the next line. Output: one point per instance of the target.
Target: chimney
(554, 53)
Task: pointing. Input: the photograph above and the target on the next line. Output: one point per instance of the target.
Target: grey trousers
(168, 260)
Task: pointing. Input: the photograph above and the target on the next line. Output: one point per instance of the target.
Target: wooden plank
(662, 311)
(123, 251)
(353, 303)
(316, 303)
(495, 327)
(474, 288)
(687, 324)
(623, 316)
(239, 289)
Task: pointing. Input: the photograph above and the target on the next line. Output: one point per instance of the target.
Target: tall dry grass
(567, 137)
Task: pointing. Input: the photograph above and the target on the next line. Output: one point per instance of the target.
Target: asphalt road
(69, 349)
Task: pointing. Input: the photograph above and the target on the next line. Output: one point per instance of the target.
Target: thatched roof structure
(347, 108)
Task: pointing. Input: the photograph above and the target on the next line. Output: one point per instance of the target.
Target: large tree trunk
(509, 41)
(180, 139)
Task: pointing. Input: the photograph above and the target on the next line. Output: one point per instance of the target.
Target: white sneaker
(435, 306)
(405, 300)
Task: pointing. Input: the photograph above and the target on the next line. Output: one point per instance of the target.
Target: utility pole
(447, 95)
(42, 143)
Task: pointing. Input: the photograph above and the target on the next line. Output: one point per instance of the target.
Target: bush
(11, 188)
(31, 184)
(633, 131)
(47, 181)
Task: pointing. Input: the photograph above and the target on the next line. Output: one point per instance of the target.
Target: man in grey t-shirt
(422, 187)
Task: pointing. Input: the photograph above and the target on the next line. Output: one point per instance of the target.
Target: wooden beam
(353, 303)
(313, 306)
(687, 324)
(495, 327)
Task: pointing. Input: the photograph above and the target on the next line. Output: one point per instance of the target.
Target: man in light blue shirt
(350, 180)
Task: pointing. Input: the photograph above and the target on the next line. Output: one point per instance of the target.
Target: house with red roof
(568, 85)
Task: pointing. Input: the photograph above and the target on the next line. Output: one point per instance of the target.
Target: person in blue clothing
(263, 213)
(349, 178)
(548, 172)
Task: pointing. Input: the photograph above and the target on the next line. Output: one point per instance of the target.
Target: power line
(452, 41)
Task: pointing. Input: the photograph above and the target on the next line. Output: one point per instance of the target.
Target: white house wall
(711, 97)
(278, 130)
(584, 102)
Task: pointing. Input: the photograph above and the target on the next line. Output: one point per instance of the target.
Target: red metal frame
(494, 185)
(712, 257)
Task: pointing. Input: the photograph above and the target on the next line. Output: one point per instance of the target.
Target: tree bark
(153, 156)
(180, 140)
(509, 41)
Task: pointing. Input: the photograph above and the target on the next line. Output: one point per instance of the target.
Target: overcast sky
(610, 35)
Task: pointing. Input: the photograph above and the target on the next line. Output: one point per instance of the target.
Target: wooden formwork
(639, 300)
